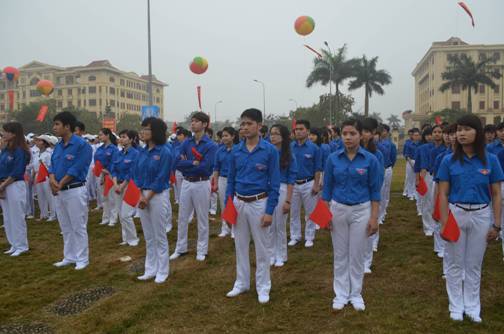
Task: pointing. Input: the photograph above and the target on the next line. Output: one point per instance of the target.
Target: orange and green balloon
(45, 87)
(199, 65)
(304, 25)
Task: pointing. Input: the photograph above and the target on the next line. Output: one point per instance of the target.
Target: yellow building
(91, 87)
(487, 103)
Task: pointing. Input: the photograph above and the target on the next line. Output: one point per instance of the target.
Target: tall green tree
(464, 73)
(332, 67)
(366, 75)
(394, 121)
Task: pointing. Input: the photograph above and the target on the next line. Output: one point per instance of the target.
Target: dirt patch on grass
(34, 328)
(80, 301)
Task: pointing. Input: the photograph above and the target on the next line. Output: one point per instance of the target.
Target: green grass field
(404, 294)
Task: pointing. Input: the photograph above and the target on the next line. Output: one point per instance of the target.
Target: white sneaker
(222, 235)
(338, 306)
(10, 250)
(80, 266)
(124, 243)
(133, 244)
(235, 292)
(375, 249)
(272, 262)
(308, 244)
(279, 263)
(293, 242)
(263, 298)
(145, 277)
(169, 228)
(103, 223)
(358, 306)
(474, 318)
(160, 279)
(29, 217)
(18, 252)
(440, 255)
(200, 257)
(175, 256)
(97, 208)
(111, 224)
(62, 263)
(367, 271)
(456, 316)
(428, 234)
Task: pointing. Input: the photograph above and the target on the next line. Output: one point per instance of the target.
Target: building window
(496, 105)
(60, 104)
(122, 93)
(69, 104)
(482, 89)
(112, 103)
(112, 79)
(24, 95)
(112, 90)
(59, 80)
(157, 90)
(497, 90)
(69, 80)
(100, 102)
(91, 78)
(34, 81)
(34, 93)
(92, 90)
(99, 89)
(79, 103)
(482, 105)
(121, 82)
(158, 100)
(482, 56)
(456, 105)
(69, 91)
(84, 103)
(455, 89)
(92, 102)
(497, 120)
(496, 55)
(60, 92)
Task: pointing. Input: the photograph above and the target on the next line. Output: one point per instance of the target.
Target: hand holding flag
(321, 215)
(230, 214)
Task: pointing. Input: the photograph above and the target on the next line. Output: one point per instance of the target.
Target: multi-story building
(92, 87)
(487, 103)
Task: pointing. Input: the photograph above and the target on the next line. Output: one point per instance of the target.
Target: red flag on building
(132, 194)
(42, 113)
(321, 215)
(42, 173)
(10, 93)
(230, 214)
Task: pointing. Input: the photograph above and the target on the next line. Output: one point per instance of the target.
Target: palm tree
(367, 75)
(394, 121)
(463, 72)
(337, 63)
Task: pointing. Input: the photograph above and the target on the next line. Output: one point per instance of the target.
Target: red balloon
(11, 73)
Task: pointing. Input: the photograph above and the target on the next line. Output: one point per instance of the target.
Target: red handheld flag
(422, 188)
(42, 113)
(436, 214)
(451, 231)
(230, 214)
(321, 215)
(42, 174)
(173, 179)
(438, 120)
(98, 168)
(132, 194)
(213, 185)
(198, 156)
(107, 185)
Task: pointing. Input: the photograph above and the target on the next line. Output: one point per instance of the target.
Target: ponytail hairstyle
(108, 132)
(285, 153)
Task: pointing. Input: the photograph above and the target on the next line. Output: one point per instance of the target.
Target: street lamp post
(215, 110)
(264, 96)
(330, 82)
(149, 85)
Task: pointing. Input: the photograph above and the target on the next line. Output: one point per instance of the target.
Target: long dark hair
(232, 132)
(478, 145)
(107, 132)
(316, 132)
(19, 141)
(285, 153)
(369, 124)
(426, 132)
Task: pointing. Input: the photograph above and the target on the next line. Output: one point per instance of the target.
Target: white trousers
(30, 200)
(465, 259)
(179, 178)
(153, 219)
(214, 198)
(349, 239)
(193, 196)
(91, 185)
(409, 182)
(126, 213)
(222, 183)
(428, 206)
(13, 207)
(99, 191)
(249, 224)
(385, 194)
(45, 200)
(72, 212)
(302, 195)
(278, 230)
(110, 209)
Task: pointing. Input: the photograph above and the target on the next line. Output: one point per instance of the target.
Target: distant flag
(468, 11)
(314, 51)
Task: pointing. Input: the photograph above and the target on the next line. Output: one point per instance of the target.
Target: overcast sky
(242, 40)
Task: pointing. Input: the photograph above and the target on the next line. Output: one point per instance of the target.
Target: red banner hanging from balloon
(198, 90)
(42, 113)
(314, 51)
(468, 11)
(10, 93)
